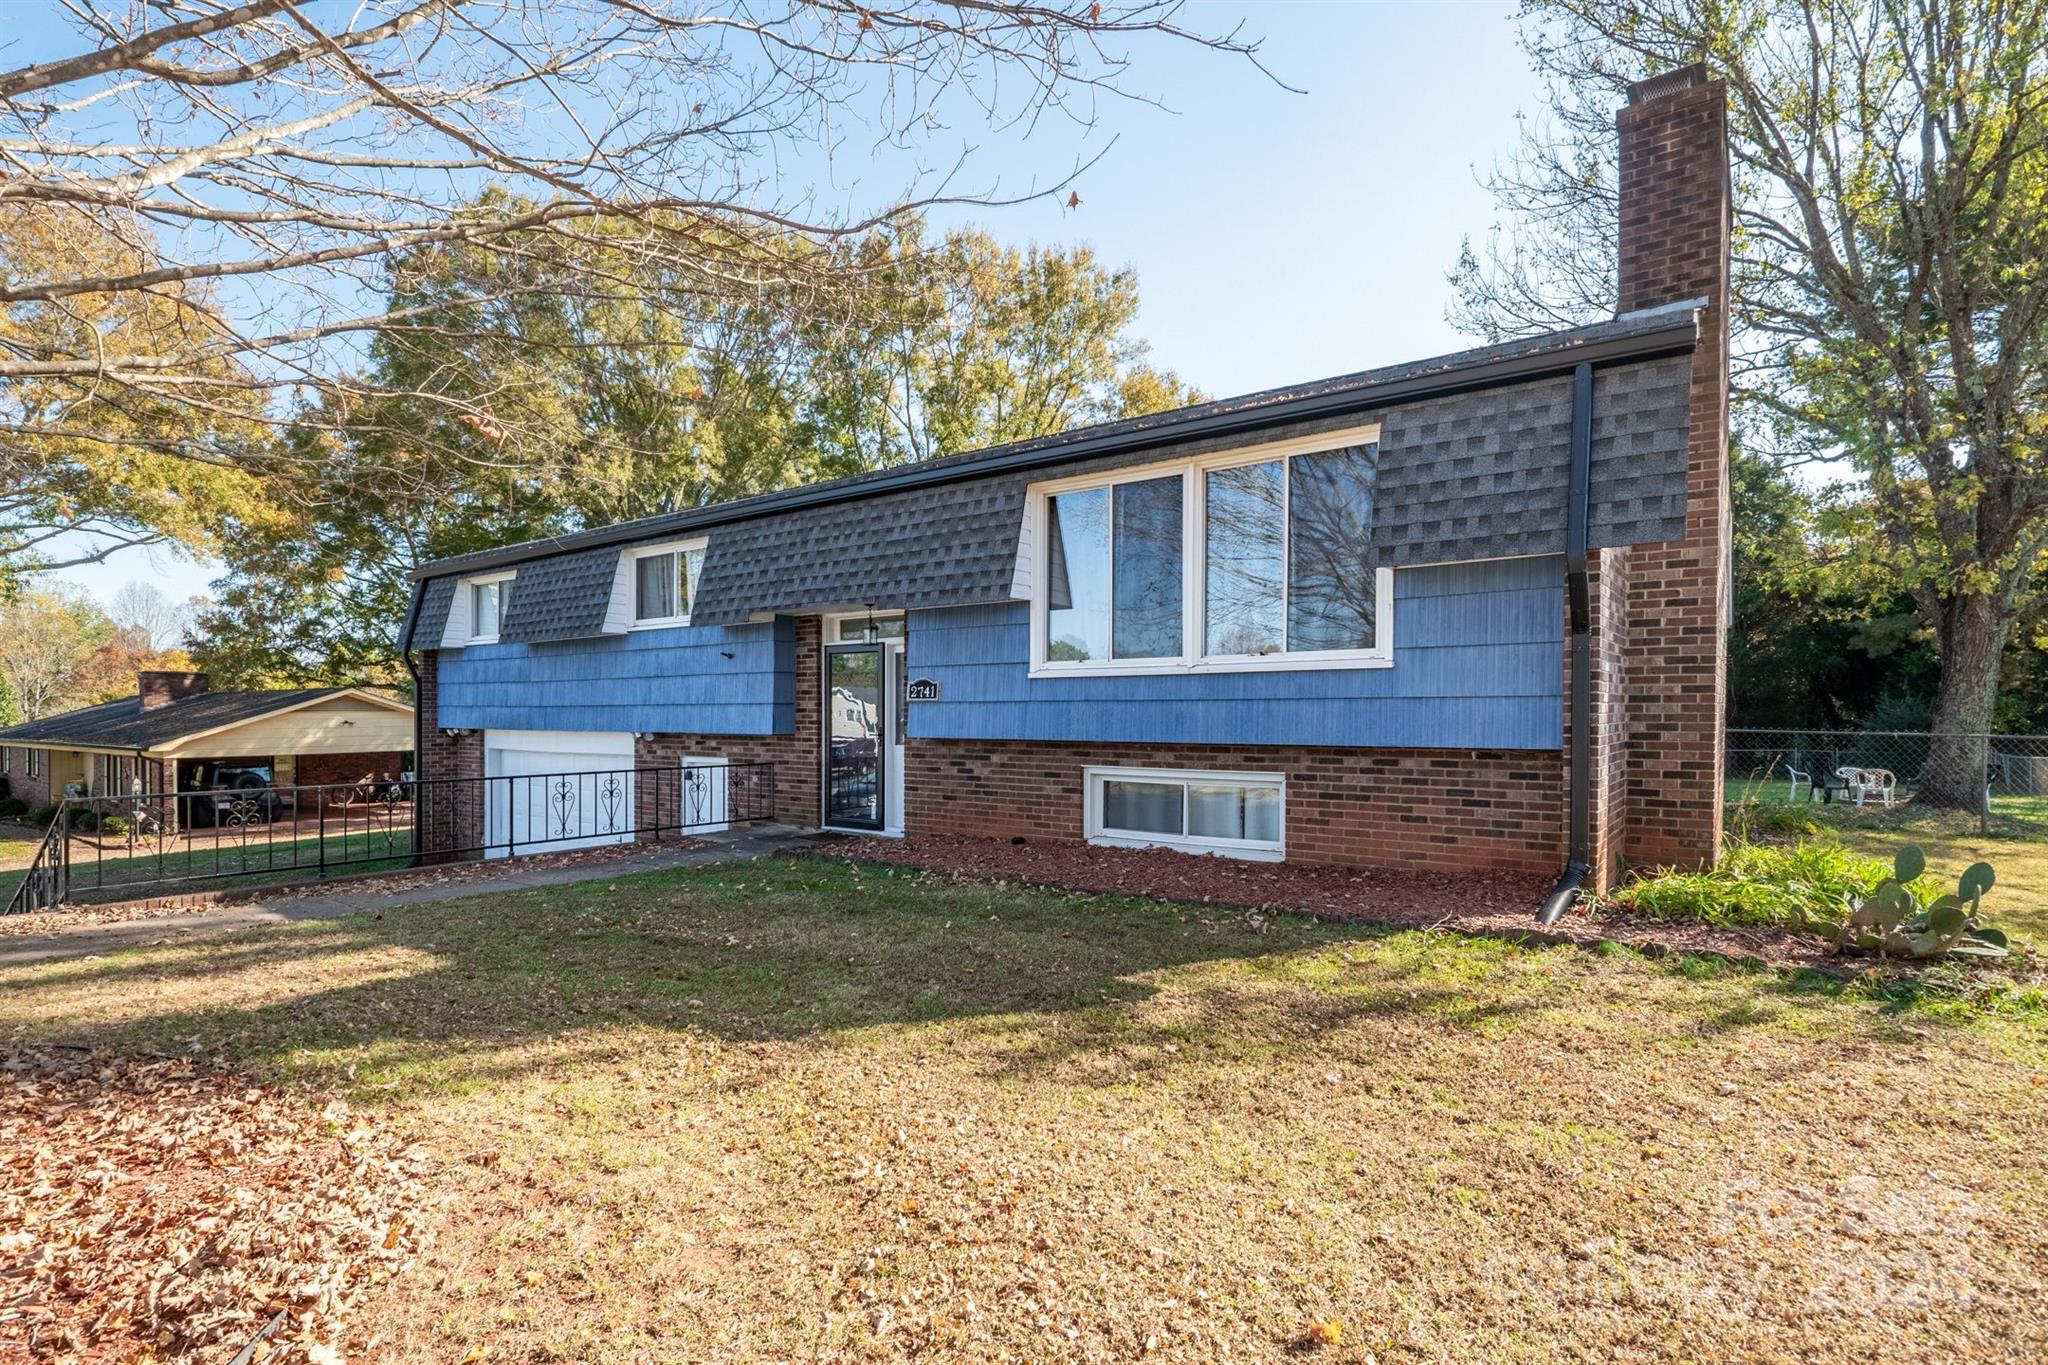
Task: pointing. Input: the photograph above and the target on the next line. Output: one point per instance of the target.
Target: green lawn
(2017, 844)
(2011, 814)
(801, 1110)
(17, 848)
(112, 873)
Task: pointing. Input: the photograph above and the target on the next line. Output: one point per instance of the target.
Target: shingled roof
(124, 724)
(1472, 465)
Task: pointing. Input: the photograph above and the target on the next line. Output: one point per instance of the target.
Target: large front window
(1116, 572)
(1248, 560)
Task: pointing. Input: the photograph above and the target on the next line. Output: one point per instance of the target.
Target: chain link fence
(1878, 770)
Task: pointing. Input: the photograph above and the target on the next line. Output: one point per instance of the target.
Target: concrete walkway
(88, 940)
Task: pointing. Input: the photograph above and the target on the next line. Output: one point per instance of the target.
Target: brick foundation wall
(1675, 214)
(450, 814)
(796, 756)
(33, 791)
(1456, 810)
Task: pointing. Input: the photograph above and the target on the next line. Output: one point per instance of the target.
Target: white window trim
(1195, 570)
(629, 573)
(832, 620)
(1257, 850)
(469, 605)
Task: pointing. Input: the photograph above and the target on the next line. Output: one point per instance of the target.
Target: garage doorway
(555, 790)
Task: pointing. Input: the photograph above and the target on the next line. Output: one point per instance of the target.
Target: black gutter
(419, 745)
(1260, 411)
(1578, 509)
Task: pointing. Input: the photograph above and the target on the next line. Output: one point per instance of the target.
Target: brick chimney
(1675, 212)
(162, 688)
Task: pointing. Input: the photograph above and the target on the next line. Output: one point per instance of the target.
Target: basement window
(1240, 815)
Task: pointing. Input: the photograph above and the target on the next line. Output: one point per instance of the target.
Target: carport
(179, 735)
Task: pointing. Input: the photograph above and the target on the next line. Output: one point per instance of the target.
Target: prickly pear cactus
(1890, 923)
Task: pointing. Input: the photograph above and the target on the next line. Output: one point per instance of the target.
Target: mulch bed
(1500, 906)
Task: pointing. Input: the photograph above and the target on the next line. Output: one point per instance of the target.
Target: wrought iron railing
(106, 847)
(42, 886)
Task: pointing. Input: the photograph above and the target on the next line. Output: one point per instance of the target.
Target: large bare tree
(199, 200)
(1891, 291)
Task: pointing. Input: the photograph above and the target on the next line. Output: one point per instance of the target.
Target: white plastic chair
(1867, 782)
(1797, 776)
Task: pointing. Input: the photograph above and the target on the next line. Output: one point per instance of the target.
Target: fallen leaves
(154, 1208)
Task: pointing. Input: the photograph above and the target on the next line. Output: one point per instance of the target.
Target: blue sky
(1277, 237)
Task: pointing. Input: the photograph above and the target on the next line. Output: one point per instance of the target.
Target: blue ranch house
(1464, 613)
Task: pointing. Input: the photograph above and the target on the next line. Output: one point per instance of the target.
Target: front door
(856, 735)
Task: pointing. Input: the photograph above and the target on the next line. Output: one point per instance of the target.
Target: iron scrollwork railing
(42, 885)
(121, 847)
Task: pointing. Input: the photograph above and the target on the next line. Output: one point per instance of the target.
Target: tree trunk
(1972, 633)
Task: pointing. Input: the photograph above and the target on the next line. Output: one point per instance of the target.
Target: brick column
(1675, 208)
(451, 815)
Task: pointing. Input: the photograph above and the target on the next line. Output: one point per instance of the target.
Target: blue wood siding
(1478, 663)
(674, 681)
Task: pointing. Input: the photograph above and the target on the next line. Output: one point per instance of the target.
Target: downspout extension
(419, 734)
(1578, 594)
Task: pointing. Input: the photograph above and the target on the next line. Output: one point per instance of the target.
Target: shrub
(1773, 884)
(41, 816)
(117, 826)
(12, 808)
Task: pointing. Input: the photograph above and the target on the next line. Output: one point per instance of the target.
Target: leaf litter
(156, 1208)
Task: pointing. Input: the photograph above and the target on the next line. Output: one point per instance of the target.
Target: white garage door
(551, 790)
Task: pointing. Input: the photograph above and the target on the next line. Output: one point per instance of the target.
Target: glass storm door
(854, 736)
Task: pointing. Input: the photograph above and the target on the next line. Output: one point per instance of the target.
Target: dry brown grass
(802, 1111)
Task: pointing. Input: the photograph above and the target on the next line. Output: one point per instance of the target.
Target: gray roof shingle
(1469, 473)
(563, 597)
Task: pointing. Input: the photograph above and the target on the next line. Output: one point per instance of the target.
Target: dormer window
(487, 602)
(665, 583)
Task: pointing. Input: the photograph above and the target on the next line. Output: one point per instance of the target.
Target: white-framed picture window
(1243, 815)
(1252, 559)
(664, 583)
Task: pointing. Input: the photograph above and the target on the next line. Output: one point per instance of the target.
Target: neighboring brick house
(176, 733)
(1332, 622)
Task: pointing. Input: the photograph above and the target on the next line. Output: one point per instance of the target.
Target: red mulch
(1501, 905)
